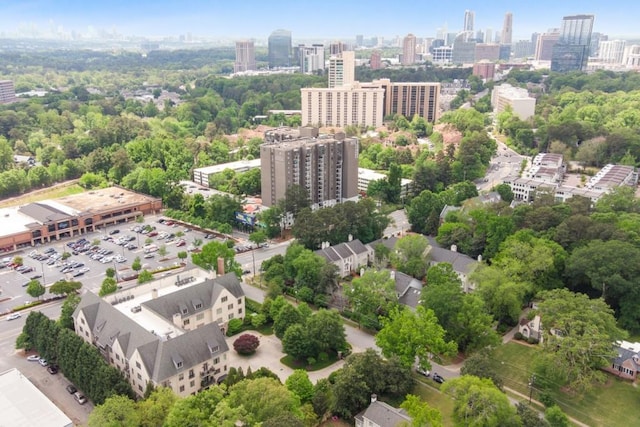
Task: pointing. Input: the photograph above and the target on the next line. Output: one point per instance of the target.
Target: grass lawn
(36, 196)
(437, 400)
(612, 404)
(320, 364)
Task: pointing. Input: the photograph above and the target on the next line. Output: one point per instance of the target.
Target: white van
(150, 248)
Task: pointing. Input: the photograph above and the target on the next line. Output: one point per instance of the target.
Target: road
(506, 162)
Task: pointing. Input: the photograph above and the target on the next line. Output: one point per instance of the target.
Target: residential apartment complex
(245, 56)
(203, 175)
(168, 333)
(342, 69)
(517, 98)
(326, 166)
(7, 92)
(409, 50)
(367, 176)
(311, 58)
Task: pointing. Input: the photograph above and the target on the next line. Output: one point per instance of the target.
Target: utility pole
(531, 384)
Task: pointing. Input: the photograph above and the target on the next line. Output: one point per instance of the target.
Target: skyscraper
(311, 58)
(469, 17)
(612, 51)
(342, 69)
(572, 50)
(336, 48)
(280, 49)
(545, 45)
(507, 28)
(409, 50)
(245, 56)
(375, 62)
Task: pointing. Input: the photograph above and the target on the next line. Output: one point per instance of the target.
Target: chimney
(392, 274)
(350, 237)
(454, 248)
(220, 266)
(374, 398)
(154, 293)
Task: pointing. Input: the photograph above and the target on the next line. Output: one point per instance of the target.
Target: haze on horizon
(326, 19)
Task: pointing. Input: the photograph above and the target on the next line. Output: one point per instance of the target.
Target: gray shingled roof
(192, 349)
(460, 262)
(385, 415)
(624, 355)
(342, 250)
(409, 289)
(329, 254)
(184, 301)
(390, 243)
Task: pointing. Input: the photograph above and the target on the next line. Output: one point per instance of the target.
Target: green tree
(372, 294)
(109, 286)
(506, 194)
(182, 255)
(65, 287)
(154, 409)
(300, 384)
(66, 313)
(555, 417)
(410, 255)
(480, 365)
(579, 336)
(35, 289)
(136, 265)
(258, 237)
(145, 276)
(502, 296)
(407, 335)
(327, 331)
(287, 316)
(115, 411)
(208, 258)
(477, 402)
(421, 413)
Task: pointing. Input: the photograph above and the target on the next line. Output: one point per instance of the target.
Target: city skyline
(334, 19)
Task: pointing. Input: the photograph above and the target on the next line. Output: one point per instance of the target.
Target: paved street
(506, 162)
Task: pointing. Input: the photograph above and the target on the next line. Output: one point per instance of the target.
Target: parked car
(71, 389)
(181, 243)
(43, 362)
(112, 232)
(424, 372)
(153, 234)
(437, 378)
(147, 256)
(80, 398)
(53, 369)
(13, 316)
(33, 358)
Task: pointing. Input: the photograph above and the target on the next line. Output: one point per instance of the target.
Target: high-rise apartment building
(410, 99)
(469, 17)
(488, 35)
(245, 56)
(507, 29)
(311, 58)
(280, 49)
(375, 62)
(631, 56)
(342, 69)
(571, 53)
(409, 50)
(7, 92)
(545, 44)
(484, 69)
(325, 166)
(596, 38)
(336, 48)
(612, 51)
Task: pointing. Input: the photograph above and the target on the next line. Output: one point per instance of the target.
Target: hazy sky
(307, 19)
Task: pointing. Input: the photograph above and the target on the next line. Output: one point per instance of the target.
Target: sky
(306, 19)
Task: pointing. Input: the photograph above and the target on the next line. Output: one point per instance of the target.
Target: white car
(33, 358)
(43, 362)
(13, 316)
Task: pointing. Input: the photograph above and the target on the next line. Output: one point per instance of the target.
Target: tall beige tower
(507, 29)
(245, 56)
(409, 50)
(342, 69)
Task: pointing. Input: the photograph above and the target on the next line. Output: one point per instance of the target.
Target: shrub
(323, 356)
(321, 301)
(258, 320)
(518, 336)
(246, 344)
(547, 399)
(235, 326)
(305, 294)
(532, 340)
(311, 361)
(252, 306)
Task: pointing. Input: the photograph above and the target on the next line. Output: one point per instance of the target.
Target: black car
(437, 378)
(53, 369)
(71, 389)
(112, 232)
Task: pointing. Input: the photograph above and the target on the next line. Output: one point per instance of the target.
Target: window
(216, 360)
(140, 387)
(180, 377)
(138, 365)
(179, 364)
(219, 311)
(192, 384)
(117, 356)
(198, 306)
(224, 299)
(139, 377)
(231, 316)
(200, 316)
(239, 301)
(181, 389)
(230, 307)
(185, 322)
(239, 311)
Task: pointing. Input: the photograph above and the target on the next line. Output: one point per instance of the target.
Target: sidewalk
(526, 398)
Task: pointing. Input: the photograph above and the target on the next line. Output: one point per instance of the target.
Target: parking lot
(91, 254)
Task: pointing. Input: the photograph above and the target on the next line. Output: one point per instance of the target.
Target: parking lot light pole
(44, 281)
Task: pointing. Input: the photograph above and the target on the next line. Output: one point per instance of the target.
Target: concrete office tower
(375, 62)
(572, 50)
(507, 29)
(245, 56)
(280, 49)
(359, 104)
(326, 167)
(409, 50)
(544, 46)
(342, 69)
(612, 51)
(311, 58)
(7, 92)
(469, 17)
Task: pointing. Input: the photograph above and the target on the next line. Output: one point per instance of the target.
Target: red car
(181, 243)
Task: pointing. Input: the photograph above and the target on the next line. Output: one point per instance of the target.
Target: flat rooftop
(240, 165)
(140, 294)
(103, 199)
(13, 221)
(23, 405)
